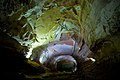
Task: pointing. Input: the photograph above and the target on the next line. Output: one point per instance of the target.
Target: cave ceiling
(42, 21)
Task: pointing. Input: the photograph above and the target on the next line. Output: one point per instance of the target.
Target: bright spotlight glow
(92, 59)
(29, 53)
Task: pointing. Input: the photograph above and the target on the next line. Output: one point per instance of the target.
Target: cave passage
(65, 53)
(60, 39)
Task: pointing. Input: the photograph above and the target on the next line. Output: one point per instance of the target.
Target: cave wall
(99, 18)
(99, 26)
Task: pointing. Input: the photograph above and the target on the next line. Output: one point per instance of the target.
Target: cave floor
(54, 76)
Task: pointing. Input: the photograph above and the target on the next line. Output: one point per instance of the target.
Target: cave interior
(29, 27)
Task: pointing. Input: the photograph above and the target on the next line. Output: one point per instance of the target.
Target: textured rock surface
(99, 24)
(14, 65)
(99, 19)
(100, 28)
